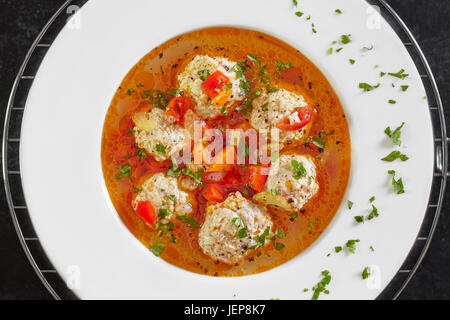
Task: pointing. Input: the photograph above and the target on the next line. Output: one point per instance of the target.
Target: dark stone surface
(22, 20)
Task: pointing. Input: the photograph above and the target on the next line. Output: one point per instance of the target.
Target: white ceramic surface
(62, 128)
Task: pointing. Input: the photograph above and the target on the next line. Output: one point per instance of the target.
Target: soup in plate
(226, 152)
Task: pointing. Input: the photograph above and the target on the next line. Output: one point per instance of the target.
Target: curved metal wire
(443, 165)
(444, 141)
(5, 151)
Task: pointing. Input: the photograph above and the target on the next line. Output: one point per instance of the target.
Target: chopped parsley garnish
(338, 249)
(404, 88)
(244, 84)
(256, 94)
(311, 227)
(137, 190)
(157, 248)
(321, 286)
(156, 98)
(161, 148)
(275, 192)
(163, 212)
(204, 74)
(372, 199)
(299, 13)
(280, 233)
(237, 222)
(279, 246)
(338, 11)
(165, 229)
(190, 222)
(392, 101)
(242, 233)
(351, 245)
(174, 92)
(368, 87)
(295, 2)
(227, 86)
(261, 73)
(264, 106)
(261, 239)
(299, 169)
(352, 61)
(197, 176)
(349, 204)
(359, 219)
(174, 172)
(141, 154)
(373, 213)
(282, 66)
(401, 74)
(223, 111)
(397, 184)
(394, 155)
(395, 135)
(294, 215)
(124, 172)
(319, 142)
(130, 91)
(345, 39)
(368, 48)
(366, 273)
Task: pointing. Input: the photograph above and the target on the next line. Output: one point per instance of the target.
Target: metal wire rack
(11, 142)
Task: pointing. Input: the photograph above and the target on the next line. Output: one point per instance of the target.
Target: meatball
(269, 109)
(232, 227)
(163, 193)
(161, 140)
(191, 83)
(296, 184)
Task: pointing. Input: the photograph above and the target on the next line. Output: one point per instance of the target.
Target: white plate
(61, 139)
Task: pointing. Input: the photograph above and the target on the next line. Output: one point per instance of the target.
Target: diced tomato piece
(220, 160)
(146, 211)
(228, 178)
(213, 192)
(233, 179)
(214, 83)
(258, 177)
(214, 176)
(305, 115)
(178, 107)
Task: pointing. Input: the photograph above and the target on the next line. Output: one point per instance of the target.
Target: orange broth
(159, 70)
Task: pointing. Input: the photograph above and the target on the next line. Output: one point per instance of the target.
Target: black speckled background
(20, 22)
